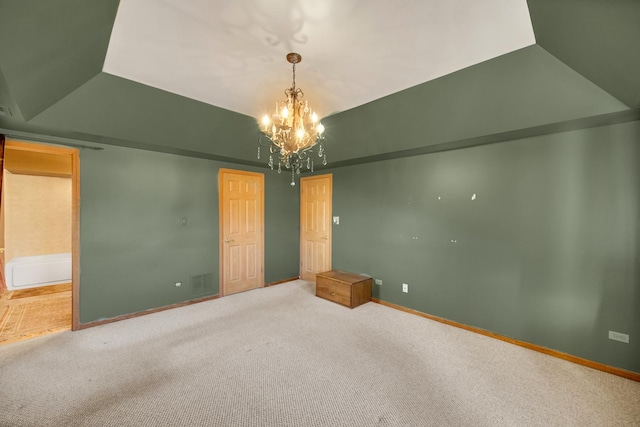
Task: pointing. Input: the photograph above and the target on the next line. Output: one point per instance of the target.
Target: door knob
(227, 240)
(324, 238)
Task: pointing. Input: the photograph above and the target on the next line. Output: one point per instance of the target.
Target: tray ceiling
(190, 77)
(231, 54)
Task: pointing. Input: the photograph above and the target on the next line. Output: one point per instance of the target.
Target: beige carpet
(279, 356)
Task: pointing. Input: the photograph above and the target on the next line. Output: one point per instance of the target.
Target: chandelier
(292, 132)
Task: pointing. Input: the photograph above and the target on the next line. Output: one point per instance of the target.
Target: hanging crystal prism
(324, 160)
(258, 152)
(293, 178)
(271, 162)
(298, 171)
(311, 166)
(287, 165)
(308, 163)
(320, 151)
(279, 168)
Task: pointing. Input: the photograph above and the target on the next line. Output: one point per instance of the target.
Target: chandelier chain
(294, 77)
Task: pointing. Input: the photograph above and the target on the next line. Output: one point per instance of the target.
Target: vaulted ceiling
(189, 77)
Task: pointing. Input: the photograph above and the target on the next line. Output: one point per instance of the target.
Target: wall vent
(201, 285)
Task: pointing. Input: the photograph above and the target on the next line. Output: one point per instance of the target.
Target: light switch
(336, 220)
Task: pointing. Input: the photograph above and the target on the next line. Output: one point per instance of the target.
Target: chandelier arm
(304, 154)
(264, 140)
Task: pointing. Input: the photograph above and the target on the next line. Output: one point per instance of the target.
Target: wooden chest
(348, 289)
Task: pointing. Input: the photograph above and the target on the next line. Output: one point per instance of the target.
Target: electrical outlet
(178, 284)
(378, 282)
(619, 336)
(405, 288)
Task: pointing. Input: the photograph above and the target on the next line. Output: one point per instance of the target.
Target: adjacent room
(320, 212)
(36, 212)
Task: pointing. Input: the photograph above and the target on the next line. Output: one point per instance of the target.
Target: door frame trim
(75, 213)
(221, 213)
(309, 178)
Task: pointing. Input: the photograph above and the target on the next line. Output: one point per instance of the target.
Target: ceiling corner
(49, 49)
(597, 39)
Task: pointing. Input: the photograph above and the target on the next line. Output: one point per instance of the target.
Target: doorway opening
(39, 235)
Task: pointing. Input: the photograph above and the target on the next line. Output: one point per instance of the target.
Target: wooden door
(241, 231)
(315, 225)
(3, 285)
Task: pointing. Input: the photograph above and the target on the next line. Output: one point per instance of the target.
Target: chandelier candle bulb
(293, 131)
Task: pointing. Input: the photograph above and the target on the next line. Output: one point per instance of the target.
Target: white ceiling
(231, 53)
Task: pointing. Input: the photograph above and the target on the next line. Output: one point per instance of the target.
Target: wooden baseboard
(143, 313)
(281, 281)
(579, 360)
(168, 307)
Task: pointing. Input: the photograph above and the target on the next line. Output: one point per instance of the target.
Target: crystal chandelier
(292, 131)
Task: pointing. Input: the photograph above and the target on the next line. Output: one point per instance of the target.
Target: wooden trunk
(348, 289)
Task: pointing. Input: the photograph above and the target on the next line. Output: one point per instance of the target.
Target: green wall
(135, 113)
(598, 39)
(133, 247)
(546, 253)
(48, 49)
(516, 91)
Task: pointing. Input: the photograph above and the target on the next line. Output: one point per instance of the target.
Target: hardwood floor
(34, 312)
